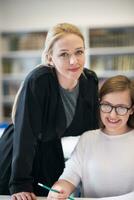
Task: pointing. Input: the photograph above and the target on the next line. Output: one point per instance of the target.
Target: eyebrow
(79, 48)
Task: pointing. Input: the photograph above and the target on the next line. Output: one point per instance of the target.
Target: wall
(0, 17)
(38, 14)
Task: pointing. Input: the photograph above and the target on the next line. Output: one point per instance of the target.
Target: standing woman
(57, 99)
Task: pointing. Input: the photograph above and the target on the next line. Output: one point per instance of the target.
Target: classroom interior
(107, 25)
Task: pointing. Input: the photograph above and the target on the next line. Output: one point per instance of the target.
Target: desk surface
(4, 197)
(129, 196)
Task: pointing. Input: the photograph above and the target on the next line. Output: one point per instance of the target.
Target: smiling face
(68, 58)
(116, 124)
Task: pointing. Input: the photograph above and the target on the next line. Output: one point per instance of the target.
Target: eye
(79, 52)
(64, 55)
(122, 109)
(105, 107)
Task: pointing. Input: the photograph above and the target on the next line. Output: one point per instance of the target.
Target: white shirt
(103, 163)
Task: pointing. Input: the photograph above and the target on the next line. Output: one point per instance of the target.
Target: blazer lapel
(60, 118)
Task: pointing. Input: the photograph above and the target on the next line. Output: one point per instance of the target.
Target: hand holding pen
(61, 194)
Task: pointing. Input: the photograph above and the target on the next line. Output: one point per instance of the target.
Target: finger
(26, 196)
(13, 197)
(54, 195)
(33, 196)
(21, 196)
(29, 195)
(17, 196)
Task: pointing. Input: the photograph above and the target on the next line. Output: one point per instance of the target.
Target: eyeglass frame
(115, 108)
(67, 56)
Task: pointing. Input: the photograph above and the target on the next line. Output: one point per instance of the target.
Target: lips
(113, 121)
(74, 69)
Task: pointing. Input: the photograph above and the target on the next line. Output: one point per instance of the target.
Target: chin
(77, 76)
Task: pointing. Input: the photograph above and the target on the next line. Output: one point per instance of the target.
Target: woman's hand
(23, 196)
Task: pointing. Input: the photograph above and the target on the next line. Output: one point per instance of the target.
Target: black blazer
(40, 122)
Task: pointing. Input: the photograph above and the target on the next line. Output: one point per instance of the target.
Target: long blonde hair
(15, 104)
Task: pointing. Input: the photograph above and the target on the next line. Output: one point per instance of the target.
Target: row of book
(10, 88)
(111, 38)
(7, 109)
(25, 41)
(120, 62)
(19, 65)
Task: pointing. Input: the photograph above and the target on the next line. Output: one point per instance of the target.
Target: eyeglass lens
(120, 110)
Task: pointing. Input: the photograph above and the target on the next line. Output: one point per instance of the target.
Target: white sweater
(103, 163)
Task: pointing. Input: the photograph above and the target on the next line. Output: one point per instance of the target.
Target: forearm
(23, 156)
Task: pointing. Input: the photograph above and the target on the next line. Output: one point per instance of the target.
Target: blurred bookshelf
(20, 53)
(109, 51)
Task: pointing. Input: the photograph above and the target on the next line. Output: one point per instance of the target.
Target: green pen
(53, 190)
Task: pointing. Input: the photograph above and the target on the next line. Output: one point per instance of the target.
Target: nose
(73, 59)
(113, 112)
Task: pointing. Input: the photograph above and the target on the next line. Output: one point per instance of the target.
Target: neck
(117, 132)
(68, 84)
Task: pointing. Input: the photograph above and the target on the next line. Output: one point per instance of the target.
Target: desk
(129, 196)
(4, 197)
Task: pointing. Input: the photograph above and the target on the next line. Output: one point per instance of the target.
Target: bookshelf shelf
(22, 54)
(109, 73)
(111, 50)
(8, 99)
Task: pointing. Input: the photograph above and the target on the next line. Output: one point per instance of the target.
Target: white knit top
(103, 163)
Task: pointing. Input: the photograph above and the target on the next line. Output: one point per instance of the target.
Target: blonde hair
(15, 104)
(54, 34)
(117, 84)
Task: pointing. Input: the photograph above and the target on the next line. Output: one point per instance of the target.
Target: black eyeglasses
(119, 109)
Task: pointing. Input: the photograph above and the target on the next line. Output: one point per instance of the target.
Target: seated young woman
(103, 160)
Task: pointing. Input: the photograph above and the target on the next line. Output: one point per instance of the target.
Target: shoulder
(42, 80)
(41, 75)
(88, 139)
(89, 74)
(40, 71)
(88, 136)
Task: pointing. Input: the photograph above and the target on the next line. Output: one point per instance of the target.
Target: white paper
(128, 196)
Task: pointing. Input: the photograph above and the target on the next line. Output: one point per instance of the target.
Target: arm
(72, 173)
(93, 83)
(96, 105)
(28, 120)
(64, 187)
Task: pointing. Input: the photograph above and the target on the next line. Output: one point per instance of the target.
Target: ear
(50, 60)
(132, 110)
